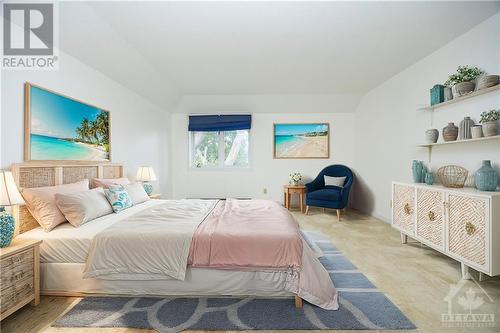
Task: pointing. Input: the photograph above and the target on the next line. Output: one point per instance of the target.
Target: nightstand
(155, 196)
(288, 190)
(19, 276)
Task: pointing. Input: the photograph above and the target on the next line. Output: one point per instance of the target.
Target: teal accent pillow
(118, 198)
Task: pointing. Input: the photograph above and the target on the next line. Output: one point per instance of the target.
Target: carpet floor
(362, 307)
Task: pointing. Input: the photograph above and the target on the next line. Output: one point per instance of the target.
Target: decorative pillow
(137, 193)
(41, 202)
(107, 182)
(118, 198)
(82, 207)
(334, 181)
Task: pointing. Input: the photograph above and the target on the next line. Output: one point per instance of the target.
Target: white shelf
(459, 99)
(486, 138)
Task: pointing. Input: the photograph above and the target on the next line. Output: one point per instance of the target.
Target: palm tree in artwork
(84, 130)
(102, 124)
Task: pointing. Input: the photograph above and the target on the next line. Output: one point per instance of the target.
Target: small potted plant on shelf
(463, 81)
(489, 121)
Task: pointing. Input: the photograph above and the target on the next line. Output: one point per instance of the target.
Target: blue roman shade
(215, 123)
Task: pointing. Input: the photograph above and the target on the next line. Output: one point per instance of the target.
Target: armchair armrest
(316, 184)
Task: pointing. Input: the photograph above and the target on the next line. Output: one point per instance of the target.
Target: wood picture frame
(301, 150)
(88, 151)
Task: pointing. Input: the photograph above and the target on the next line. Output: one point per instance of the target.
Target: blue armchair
(319, 195)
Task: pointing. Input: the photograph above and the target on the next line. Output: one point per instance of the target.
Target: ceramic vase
(490, 128)
(429, 178)
(486, 177)
(448, 94)
(463, 88)
(487, 81)
(417, 171)
(464, 129)
(7, 227)
(450, 132)
(477, 131)
(431, 135)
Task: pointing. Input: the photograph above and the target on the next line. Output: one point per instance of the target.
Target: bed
(74, 260)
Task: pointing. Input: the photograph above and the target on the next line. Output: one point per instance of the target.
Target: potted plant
(489, 121)
(295, 178)
(462, 82)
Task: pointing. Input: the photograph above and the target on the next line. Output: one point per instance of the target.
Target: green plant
(463, 74)
(492, 115)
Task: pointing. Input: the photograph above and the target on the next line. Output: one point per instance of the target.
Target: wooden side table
(19, 276)
(300, 190)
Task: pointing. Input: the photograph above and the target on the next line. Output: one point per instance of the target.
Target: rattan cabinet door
(430, 217)
(468, 228)
(403, 208)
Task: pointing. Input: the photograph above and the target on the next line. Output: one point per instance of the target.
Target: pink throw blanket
(261, 235)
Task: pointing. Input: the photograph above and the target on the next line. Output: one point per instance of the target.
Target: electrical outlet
(264, 190)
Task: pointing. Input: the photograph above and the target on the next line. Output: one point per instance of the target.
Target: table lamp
(9, 196)
(146, 174)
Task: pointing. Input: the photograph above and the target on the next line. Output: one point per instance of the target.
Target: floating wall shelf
(459, 99)
(430, 145)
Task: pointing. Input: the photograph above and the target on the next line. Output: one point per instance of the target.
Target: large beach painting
(62, 128)
(301, 140)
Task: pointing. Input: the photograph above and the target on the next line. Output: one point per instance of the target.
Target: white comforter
(157, 250)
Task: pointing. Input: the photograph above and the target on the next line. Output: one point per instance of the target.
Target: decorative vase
(486, 177)
(431, 135)
(490, 128)
(293, 182)
(464, 129)
(477, 131)
(437, 94)
(450, 132)
(418, 171)
(487, 81)
(148, 187)
(463, 88)
(448, 94)
(429, 178)
(7, 226)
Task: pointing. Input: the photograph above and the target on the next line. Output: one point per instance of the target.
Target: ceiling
(163, 50)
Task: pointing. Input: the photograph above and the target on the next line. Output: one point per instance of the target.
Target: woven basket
(452, 176)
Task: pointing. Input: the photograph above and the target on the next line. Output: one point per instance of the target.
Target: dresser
(463, 224)
(19, 276)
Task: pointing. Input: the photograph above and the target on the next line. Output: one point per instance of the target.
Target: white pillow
(82, 207)
(334, 181)
(107, 182)
(136, 192)
(42, 204)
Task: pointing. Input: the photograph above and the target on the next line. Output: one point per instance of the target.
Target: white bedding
(67, 244)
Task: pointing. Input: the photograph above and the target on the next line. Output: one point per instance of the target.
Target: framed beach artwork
(58, 128)
(309, 140)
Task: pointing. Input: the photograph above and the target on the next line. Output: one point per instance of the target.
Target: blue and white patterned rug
(362, 307)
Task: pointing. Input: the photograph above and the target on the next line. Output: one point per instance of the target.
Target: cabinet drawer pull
(469, 228)
(407, 209)
(432, 216)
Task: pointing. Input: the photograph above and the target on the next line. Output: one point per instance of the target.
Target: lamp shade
(146, 174)
(9, 194)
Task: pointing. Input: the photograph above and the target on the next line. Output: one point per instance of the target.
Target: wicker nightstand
(20, 276)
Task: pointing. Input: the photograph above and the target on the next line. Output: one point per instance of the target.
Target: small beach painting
(302, 140)
(61, 128)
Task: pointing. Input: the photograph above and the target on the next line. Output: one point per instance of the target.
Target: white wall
(389, 125)
(139, 128)
(265, 171)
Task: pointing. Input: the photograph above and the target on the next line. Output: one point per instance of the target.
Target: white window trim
(221, 156)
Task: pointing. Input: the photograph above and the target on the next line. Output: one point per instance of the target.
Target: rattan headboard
(39, 174)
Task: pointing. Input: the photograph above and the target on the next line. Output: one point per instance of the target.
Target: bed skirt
(65, 279)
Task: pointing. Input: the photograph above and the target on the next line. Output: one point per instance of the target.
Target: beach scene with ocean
(301, 140)
(65, 129)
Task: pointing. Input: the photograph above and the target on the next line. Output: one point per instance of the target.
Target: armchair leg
(324, 210)
(307, 210)
(338, 214)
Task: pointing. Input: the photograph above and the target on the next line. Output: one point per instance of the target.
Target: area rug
(362, 307)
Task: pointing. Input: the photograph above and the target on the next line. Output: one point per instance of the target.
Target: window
(219, 149)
